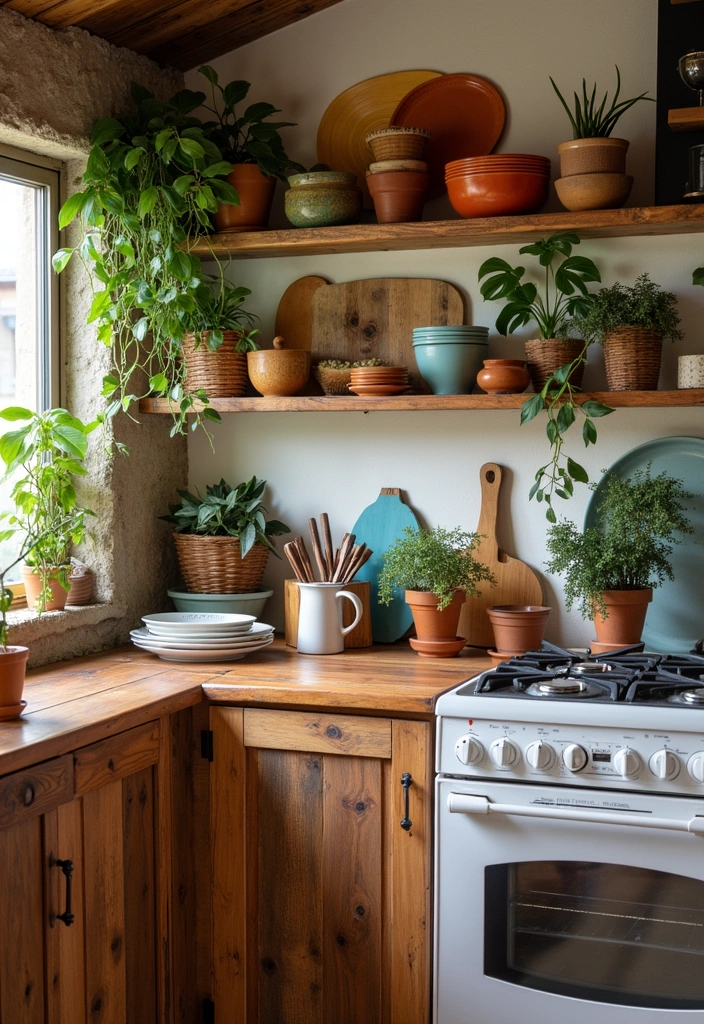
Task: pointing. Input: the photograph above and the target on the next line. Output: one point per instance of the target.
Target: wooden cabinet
(106, 810)
(321, 900)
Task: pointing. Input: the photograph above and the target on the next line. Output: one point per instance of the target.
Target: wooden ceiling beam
(97, 16)
(160, 22)
(34, 9)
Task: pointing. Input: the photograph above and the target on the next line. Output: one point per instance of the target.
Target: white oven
(556, 903)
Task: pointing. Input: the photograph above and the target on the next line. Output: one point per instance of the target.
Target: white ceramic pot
(690, 371)
(320, 629)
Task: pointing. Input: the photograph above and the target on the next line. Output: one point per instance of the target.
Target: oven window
(603, 932)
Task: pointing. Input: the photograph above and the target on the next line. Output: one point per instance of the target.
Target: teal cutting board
(378, 527)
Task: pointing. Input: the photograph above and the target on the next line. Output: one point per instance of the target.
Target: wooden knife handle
(490, 478)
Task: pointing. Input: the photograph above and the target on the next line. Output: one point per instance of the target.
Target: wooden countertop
(72, 703)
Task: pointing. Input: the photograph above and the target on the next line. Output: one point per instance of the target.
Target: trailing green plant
(46, 453)
(643, 304)
(227, 511)
(698, 276)
(436, 561)
(637, 523)
(218, 308)
(589, 121)
(152, 181)
(564, 295)
(251, 138)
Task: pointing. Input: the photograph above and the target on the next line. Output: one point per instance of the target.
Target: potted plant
(438, 571)
(253, 147)
(223, 538)
(631, 322)
(48, 453)
(610, 569)
(13, 659)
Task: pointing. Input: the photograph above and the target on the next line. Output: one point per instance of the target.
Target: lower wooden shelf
(686, 119)
(429, 403)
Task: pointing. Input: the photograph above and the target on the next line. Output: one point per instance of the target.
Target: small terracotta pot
(13, 664)
(626, 616)
(545, 355)
(518, 627)
(398, 195)
(503, 377)
(592, 156)
(256, 192)
(429, 622)
(33, 588)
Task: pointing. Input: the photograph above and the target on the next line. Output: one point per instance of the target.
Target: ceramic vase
(503, 377)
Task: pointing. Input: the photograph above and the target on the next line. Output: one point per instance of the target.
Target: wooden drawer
(116, 757)
(316, 733)
(35, 790)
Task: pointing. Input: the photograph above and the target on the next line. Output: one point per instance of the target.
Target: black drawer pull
(67, 868)
(406, 782)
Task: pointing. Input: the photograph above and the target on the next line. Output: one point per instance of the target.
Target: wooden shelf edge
(430, 403)
(686, 119)
(441, 234)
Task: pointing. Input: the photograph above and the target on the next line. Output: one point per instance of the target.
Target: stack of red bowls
(498, 184)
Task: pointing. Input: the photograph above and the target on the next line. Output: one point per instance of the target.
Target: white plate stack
(201, 636)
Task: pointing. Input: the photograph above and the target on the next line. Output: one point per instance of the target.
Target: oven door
(555, 904)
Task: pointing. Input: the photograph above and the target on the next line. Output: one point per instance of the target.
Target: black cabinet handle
(406, 782)
(67, 868)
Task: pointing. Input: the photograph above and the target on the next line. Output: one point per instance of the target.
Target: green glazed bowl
(321, 199)
(239, 604)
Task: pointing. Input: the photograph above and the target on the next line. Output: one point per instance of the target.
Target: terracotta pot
(518, 627)
(256, 192)
(626, 616)
(13, 663)
(398, 195)
(33, 588)
(549, 354)
(429, 622)
(503, 376)
(592, 156)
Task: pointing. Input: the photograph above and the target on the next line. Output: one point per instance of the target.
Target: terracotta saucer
(12, 711)
(438, 648)
(364, 390)
(498, 656)
(596, 648)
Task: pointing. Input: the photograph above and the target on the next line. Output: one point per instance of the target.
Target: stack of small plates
(201, 636)
(458, 334)
(378, 380)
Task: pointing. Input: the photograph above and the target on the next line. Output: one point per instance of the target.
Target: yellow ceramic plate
(359, 110)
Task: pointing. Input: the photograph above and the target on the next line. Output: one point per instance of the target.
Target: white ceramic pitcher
(320, 629)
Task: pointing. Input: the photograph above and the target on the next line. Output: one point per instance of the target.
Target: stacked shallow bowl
(449, 358)
(499, 184)
(201, 636)
(378, 380)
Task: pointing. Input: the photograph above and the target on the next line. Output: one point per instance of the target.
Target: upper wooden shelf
(420, 403)
(686, 119)
(442, 234)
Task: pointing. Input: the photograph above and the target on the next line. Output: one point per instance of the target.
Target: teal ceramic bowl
(450, 369)
(240, 604)
(430, 340)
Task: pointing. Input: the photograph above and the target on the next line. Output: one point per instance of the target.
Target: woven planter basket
(222, 374)
(333, 382)
(212, 565)
(546, 356)
(632, 356)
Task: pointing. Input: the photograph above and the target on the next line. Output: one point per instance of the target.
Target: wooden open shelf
(429, 403)
(686, 119)
(442, 234)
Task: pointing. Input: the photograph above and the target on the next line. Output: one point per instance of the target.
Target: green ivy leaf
(577, 472)
(595, 409)
(71, 208)
(147, 201)
(531, 408)
(191, 148)
(60, 259)
(589, 432)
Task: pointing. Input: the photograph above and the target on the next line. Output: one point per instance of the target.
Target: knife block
(361, 635)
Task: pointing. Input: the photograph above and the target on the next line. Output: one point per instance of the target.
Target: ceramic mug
(320, 629)
(690, 371)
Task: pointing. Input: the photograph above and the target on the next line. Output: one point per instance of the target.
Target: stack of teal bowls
(449, 358)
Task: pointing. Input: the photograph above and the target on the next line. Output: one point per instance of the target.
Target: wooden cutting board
(374, 319)
(294, 317)
(516, 583)
(379, 525)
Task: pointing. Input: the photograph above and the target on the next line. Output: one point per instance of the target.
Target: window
(29, 198)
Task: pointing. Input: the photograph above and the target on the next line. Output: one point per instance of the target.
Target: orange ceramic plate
(359, 110)
(466, 115)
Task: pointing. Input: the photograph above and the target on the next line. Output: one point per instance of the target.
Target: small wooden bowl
(600, 191)
(279, 371)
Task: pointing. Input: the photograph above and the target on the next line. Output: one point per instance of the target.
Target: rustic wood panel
(250, 909)
(35, 790)
(65, 946)
(290, 952)
(353, 973)
(104, 905)
(117, 757)
(138, 818)
(686, 119)
(164, 839)
(158, 21)
(325, 734)
(22, 997)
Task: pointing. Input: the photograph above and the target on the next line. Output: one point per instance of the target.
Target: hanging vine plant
(152, 181)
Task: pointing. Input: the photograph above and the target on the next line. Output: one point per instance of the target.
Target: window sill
(48, 635)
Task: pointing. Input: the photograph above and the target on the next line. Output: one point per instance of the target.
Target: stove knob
(665, 765)
(627, 763)
(504, 754)
(574, 757)
(469, 750)
(695, 766)
(540, 755)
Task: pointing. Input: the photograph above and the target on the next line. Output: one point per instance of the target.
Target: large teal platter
(675, 619)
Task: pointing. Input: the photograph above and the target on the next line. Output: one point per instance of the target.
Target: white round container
(690, 371)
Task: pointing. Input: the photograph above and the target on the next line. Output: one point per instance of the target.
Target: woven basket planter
(333, 382)
(223, 373)
(212, 565)
(632, 356)
(546, 356)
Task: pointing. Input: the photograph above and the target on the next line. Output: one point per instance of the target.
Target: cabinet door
(321, 901)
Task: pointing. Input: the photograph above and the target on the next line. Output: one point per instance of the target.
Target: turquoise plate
(675, 619)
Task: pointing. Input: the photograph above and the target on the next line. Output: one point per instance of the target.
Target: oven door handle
(463, 803)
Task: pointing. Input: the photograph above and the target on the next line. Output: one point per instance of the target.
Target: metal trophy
(691, 68)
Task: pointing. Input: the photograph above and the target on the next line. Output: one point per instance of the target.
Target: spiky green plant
(591, 122)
